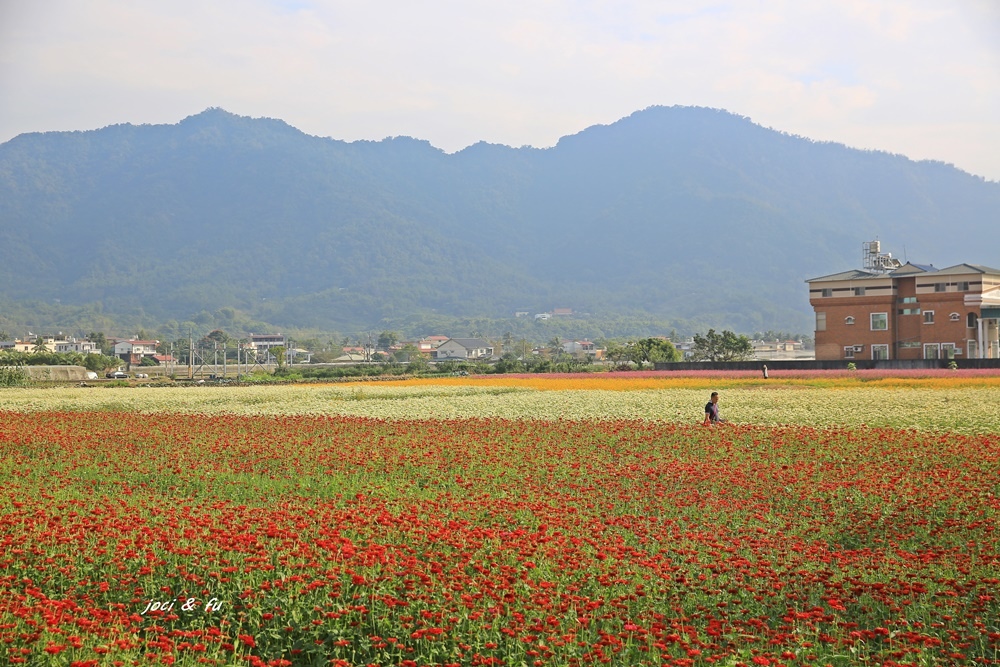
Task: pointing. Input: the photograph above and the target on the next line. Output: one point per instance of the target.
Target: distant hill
(688, 214)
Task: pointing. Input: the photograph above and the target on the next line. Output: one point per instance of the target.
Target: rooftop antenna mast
(873, 259)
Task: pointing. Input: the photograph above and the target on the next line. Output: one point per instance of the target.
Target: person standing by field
(712, 411)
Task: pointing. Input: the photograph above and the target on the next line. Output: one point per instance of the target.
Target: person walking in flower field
(712, 411)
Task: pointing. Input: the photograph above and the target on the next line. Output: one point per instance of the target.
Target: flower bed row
(305, 540)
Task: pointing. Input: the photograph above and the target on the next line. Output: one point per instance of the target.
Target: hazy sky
(916, 77)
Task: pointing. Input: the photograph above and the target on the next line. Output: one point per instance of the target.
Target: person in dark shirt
(712, 411)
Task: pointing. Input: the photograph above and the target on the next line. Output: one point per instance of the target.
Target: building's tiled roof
(969, 268)
(907, 269)
(471, 343)
(910, 268)
(853, 274)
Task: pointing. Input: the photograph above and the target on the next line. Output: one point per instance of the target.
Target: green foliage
(726, 346)
(285, 373)
(510, 365)
(652, 350)
(357, 370)
(387, 339)
(619, 355)
(278, 352)
(851, 366)
(13, 376)
(100, 362)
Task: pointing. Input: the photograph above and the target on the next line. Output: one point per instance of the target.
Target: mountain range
(690, 215)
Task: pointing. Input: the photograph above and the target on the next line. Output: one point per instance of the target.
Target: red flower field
(174, 539)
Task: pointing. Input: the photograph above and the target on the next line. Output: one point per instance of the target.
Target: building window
(931, 351)
(859, 291)
(848, 320)
(949, 350)
(880, 352)
(929, 317)
(849, 352)
(820, 321)
(908, 299)
(963, 286)
(908, 311)
(970, 320)
(827, 292)
(940, 287)
(954, 317)
(880, 321)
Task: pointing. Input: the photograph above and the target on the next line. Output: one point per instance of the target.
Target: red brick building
(910, 311)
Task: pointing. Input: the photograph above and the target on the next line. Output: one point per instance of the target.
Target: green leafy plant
(13, 376)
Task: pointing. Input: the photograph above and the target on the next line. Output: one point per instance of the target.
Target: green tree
(617, 354)
(101, 341)
(507, 343)
(100, 363)
(554, 347)
(40, 347)
(726, 346)
(217, 336)
(523, 349)
(652, 350)
(387, 339)
(279, 352)
(408, 353)
(417, 362)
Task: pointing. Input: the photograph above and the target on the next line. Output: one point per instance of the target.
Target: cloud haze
(916, 77)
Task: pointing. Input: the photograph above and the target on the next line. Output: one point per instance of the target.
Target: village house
(261, 345)
(465, 349)
(582, 349)
(78, 346)
(133, 351)
(29, 344)
(428, 346)
(889, 310)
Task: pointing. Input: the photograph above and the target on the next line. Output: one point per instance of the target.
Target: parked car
(117, 375)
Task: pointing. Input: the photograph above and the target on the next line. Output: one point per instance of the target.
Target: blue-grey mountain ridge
(691, 215)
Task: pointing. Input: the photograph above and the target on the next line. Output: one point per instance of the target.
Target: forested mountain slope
(687, 213)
